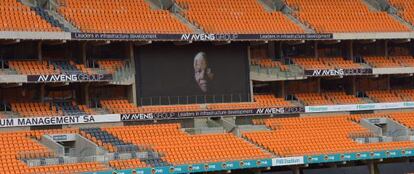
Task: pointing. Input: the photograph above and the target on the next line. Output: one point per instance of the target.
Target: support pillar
(316, 49)
(131, 58)
(83, 53)
(42, 92)
(386, 48)
(295, 170)
(39, 50)
(87, 99)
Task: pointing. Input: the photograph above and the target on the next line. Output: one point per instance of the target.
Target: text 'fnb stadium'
(206, 86)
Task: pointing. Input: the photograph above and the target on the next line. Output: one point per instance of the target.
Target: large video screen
(194, 73)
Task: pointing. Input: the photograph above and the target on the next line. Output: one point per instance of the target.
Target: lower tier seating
(317, 135)
(18, 145)
(179, 147)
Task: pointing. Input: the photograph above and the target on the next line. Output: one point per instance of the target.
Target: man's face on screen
(202, 72)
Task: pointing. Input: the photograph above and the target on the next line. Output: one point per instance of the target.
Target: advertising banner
(337, 72)
(197, 37)
(69, 77)
(58, 120)
(211, 113)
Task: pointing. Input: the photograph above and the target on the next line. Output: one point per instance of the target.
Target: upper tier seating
(261, 101)
(126, 16)
(405, 9)
(405, 94)
(18, 145)
(242, 16)
(14, 16)
(32, 67)
(344, 16)
(182, 148)
(317, 136)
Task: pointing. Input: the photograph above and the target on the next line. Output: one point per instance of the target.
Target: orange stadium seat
(344, 16)
(342, 98)
(126, 16)
(242, 16)
(14, 16)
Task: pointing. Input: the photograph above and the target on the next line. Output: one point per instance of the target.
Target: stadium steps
(66, 24)
(121, 146)
(177, 12)
(383, 5)
(46, 16)
(277, 5)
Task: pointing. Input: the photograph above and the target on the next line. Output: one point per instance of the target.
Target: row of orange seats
(381, 62)
(344, 16)
(384, 96)
(326, 63)
(35, 109)
(32, 67)
(343, 98)
(14, 16)
(127, 16)
(268, 63)
(317, 136)
(309, 99)
(243, 16)
(110, 65)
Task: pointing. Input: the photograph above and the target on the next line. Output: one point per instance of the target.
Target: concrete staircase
(384, 5)
(66, 24)
(279, 5)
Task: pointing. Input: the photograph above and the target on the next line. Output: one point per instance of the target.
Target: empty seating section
(179, 147)
(119, 106)
(66, 67)
(340, 63)
(407, 61)
(126, 16)
(326, 63)
(343, 98)
(127, 164)
(242, 16)
(344, 16)
(310, 63)
(268, 63)
(35, 109)
(14, 16)
(405, 94)
(317, 136)
(310, 99)
(381, 62)
(383, 96)
(110, 65)
(123, 106)
(69, 108)
(18, 145)
(32, 67)
(405, 9)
